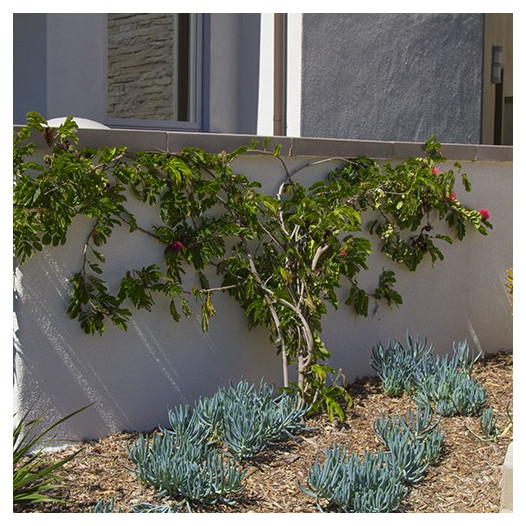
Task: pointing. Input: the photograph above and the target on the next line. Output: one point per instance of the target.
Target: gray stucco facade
(391, 77)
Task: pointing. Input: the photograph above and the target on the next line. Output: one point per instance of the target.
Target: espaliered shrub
(378, 481)
(195, 459)
(445, 383)
(281, 256)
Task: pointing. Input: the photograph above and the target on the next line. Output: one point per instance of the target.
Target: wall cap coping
(138, 139)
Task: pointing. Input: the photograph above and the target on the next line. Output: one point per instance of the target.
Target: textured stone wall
(141, 66)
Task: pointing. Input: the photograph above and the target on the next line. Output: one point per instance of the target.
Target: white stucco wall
(133, 377)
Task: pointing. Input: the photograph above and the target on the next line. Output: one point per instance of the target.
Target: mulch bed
(466, 480)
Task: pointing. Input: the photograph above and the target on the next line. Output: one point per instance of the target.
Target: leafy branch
(281, 257)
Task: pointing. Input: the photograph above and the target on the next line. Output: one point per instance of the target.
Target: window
(152, 72)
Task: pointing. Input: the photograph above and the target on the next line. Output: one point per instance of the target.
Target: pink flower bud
(435, 171)
(343, 253)
(484, 214)
(176, 246)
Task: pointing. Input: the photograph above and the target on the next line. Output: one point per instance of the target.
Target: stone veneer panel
(141, 66)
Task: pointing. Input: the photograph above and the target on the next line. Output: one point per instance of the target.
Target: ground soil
(466, 480)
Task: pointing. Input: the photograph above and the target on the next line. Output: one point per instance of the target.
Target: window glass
(152, 68)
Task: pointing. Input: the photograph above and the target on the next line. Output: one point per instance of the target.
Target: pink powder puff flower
(484, 214)
(452, 196)
(176, 246)
(343, 253)
(435, 171)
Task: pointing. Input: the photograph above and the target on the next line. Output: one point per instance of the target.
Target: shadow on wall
(133, 377)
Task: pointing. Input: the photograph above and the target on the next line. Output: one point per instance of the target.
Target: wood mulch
(466, 480)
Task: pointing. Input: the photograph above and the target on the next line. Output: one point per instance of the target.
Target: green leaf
(96, 268)
(99, 256)
(173, 311)
(35, 120)
(466, 182)
(359, 300)
(285, 275)
(445, 238)
(68, 130)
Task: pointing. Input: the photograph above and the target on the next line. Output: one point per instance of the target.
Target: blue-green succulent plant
(445, 383)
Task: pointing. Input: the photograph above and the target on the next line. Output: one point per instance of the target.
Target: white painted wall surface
(133, 377)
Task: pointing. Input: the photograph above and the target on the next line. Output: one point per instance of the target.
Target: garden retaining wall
(133, 377)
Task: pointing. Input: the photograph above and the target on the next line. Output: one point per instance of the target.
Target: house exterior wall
(75, 67)
(65, 55)
(233, 72)
(29, 65)
(376, 76)
(133, 377)
(393, 77)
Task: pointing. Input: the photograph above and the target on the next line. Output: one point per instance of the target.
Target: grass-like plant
(489, 430)
(143, 507)
(34, 476)
(451, 392)
(105, 507)
(413, 443)
(396, 364)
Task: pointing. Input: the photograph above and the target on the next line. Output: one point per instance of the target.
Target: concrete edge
(506, 498)
(290, 146)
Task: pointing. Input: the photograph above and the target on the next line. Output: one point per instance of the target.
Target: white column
(266, 66)
(266, 75)
(294, 34)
